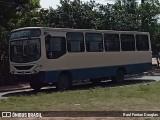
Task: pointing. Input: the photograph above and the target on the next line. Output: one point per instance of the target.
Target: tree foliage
(14, 14)
(77, 14)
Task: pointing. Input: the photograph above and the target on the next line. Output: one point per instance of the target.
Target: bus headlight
(36, 69)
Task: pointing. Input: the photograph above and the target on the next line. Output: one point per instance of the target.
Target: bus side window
(127, 42)
(75, 42)
(55, 47)
(94, 42)
(142, 42)
(111, 42)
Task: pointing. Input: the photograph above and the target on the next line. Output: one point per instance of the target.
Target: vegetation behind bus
(77, 14)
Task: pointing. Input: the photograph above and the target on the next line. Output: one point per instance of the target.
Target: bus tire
(64, 82)
(119, 78)
(36, 85)
(95, 81)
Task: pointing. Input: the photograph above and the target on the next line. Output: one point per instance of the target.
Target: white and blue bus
(62, 56)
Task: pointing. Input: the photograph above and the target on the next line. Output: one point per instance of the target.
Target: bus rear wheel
(95, 81)
(119, 78)
(36, 85)
(64, 82)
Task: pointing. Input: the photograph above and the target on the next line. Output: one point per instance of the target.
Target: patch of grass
(133, 97)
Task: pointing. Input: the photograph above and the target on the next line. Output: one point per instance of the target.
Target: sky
(54, 3)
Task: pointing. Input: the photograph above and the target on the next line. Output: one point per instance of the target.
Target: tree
(25, 16)
(13, 14)
(74, 14)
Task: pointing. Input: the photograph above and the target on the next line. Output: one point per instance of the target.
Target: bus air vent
(23, 67)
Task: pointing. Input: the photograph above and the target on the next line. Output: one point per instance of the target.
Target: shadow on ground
(84, 86)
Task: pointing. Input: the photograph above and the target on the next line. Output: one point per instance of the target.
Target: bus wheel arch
(119, 78)
(64, 81)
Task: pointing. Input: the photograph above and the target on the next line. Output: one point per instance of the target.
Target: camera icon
(6, 114)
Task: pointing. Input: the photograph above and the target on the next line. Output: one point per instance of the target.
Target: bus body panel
(90, 60)
(97, 72)
(86, 65)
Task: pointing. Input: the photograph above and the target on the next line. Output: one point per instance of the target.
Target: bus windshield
(23, 51)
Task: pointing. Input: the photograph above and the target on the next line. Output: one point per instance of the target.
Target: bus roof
(77, 30)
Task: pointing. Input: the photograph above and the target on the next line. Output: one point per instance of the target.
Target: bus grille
(23, 67)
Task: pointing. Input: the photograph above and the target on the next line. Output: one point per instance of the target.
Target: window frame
(60, 54)
(114, 41)
(148, 48)
(83, 43)
(121, 42)
(101, 48)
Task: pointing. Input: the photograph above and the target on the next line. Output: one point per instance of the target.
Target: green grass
(132, 97)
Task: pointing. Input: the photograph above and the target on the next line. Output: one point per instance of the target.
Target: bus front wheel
(64, 82)
(36, 85)
(119, 78)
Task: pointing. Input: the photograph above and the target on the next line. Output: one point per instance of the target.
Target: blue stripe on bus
(97, 72)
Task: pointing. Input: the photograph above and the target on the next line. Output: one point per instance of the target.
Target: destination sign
(25, 33)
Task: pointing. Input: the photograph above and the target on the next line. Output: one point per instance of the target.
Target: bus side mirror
(48, 37)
